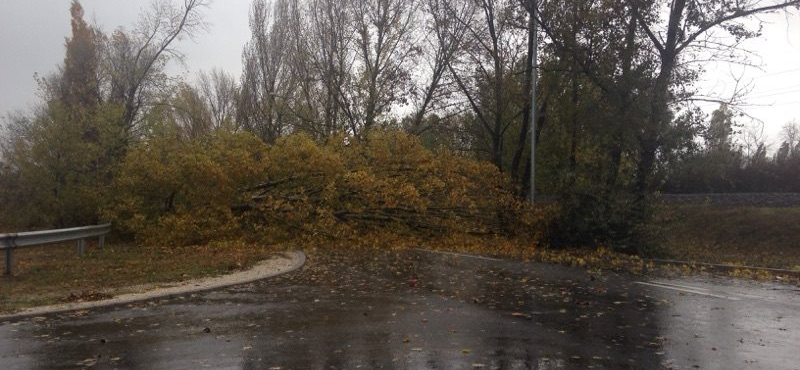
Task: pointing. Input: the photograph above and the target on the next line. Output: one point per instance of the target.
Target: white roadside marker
(693, 291)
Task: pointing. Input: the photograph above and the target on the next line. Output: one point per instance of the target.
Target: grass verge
(748, 236)
(57, 274)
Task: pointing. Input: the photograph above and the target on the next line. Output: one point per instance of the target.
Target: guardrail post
(102, 241)
(8, 262)
(27, 239)
(81, 246)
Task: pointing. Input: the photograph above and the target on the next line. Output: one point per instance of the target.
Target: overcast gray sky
(32, 34)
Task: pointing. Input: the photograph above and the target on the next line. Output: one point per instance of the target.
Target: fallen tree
(387, 180)
(342, 189)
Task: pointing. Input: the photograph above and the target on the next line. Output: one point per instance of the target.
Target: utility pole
(534, 74)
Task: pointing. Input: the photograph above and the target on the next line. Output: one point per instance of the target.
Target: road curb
(298, 259)
(721, 267)
(645, 262)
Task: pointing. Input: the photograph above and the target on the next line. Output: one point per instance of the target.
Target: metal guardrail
(10, 242)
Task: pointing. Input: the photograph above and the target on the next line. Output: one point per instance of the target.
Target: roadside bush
(604, 218)
(172, 191)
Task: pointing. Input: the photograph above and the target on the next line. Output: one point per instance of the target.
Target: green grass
(754, 236)
(50, 274)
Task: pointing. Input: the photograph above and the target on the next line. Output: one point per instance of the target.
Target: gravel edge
(279, 264)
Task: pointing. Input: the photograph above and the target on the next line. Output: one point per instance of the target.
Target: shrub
(605, 218)
(181, 192)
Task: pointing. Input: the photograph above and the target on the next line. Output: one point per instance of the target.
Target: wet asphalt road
(421, 310)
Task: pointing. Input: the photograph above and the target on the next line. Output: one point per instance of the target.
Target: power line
(773, 94)
(760, 92)
(772, 106)
(778, 73)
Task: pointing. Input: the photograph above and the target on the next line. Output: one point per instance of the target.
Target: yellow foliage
(386, 190)
(177, 192)
(388, 181)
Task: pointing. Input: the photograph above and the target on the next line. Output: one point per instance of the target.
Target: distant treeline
(732, 161)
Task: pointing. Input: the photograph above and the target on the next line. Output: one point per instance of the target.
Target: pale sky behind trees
(32, 36)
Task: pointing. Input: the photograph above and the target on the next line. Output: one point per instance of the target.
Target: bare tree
(326, 66)
(386, 41)
(790, 133)
(484, 68)
(329, 39)
(752, 142)
(136, 58)
(219, 91)
(443, 37)
(790, 141)
(267, 78)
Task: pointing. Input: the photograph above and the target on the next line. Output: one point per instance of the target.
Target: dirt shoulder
(279, 264)
(56, 274)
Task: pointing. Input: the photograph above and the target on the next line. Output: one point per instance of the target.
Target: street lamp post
(534, 74)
